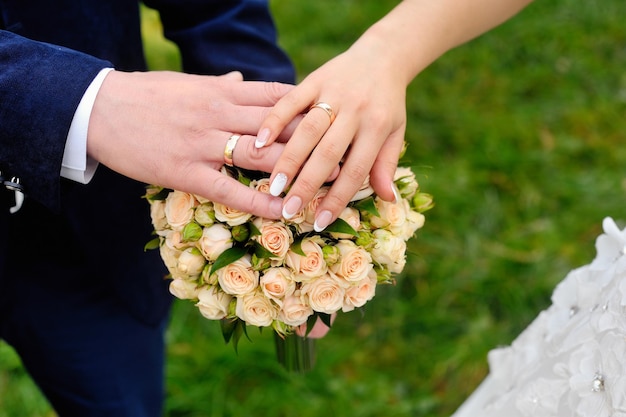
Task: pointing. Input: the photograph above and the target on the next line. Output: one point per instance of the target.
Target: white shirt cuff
(77, 165)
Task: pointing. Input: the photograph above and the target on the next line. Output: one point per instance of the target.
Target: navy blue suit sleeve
(219, 36)
(40, 88)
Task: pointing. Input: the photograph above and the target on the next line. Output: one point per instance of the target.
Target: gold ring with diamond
(326, 107)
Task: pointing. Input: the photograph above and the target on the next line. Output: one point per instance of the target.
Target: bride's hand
(367, 134)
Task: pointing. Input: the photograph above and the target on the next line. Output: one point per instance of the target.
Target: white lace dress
(571, 361)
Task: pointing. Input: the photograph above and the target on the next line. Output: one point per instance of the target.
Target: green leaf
(296, 247)
(227, 257)
(161, 195)
(153, 244)
(232, 330)
(261, 252)
(341, 226)
(368, 205)
(254, 231)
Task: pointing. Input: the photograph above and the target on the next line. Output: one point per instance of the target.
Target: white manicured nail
(278, 185)
(322, 221)
(396, 193)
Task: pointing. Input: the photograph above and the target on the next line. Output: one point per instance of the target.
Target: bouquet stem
(295, 353)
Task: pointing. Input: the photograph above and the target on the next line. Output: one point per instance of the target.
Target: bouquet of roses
(246, 270)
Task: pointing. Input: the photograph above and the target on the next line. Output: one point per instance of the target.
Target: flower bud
(240, 233)
(192, 232)
(205, 214)
(331, 254)
(423, 202)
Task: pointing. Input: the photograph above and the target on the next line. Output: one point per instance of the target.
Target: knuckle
(355, 172)
(306, 187)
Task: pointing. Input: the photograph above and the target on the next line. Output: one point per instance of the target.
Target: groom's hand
(171, 129)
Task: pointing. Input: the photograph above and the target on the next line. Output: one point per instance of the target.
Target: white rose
(354, 263)
(277, 283)
(294, 311)
(183, 289)
(215, 240)
(358, 295)
(276, 237)
(179, 209)
(351, 216)
(312, 264)
(190, 263)
(324, 294)
(238, 278)
(174, 240)
(157, 214)
(389, 250)
(229, 215)
(256, 309)
(213, 303)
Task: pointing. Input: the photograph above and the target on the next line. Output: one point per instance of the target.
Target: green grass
(519, 135)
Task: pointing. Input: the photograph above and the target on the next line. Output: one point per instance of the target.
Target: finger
(304, 140)
(384, 168)
(256, 93)
(320, 166)
(284, 111)
(217, 186)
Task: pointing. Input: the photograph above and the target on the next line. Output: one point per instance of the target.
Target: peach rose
(229, 215)
(312, 264)
(355, 262)
(215, 240)
(294, 311)
(276, 237)
(213, 303)
(262, 185)
(179, 209)
(255, 309)
(311, 208)
(238, 278)
(324, 294)
(389, 250)
(358, 295)
(392, 215)
(277, 283)
(183, 289)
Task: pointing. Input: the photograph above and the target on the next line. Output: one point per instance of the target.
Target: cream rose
(256, 309)
(414, 221)
(277, 283)
(190, 263)
(215, 240)
(324, 294)
(157, 215)
(179, 209)
(312, 264)
(358, 295)
(170, 257)
(276, 237)
(355, 262)
(238, 278)
(183, 289)
(213, 303)
(294, 311)
(389, 250)
(229, 215)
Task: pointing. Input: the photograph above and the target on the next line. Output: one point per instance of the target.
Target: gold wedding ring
(326, 107)
(230, 147)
